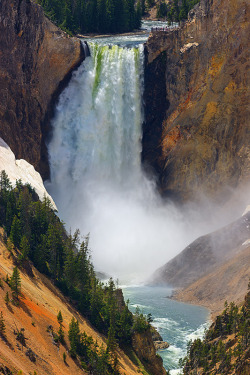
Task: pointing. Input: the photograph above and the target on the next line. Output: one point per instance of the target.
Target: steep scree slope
(213, 268)
(38, 308)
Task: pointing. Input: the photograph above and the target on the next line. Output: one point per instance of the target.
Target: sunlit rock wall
(196, 132)
(35, 59)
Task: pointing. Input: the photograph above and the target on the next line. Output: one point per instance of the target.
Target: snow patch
(246, 210)
(247, 242)
(21, 169)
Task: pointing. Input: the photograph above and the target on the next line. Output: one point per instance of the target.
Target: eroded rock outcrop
(196, 131)
(35, 60)
(158, 340)
(143, 346)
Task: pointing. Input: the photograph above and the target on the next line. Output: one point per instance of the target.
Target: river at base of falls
(177, 322)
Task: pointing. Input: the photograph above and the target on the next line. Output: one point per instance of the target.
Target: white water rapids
(96, 177)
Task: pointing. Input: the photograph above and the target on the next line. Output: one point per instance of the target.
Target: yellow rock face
(202, 138)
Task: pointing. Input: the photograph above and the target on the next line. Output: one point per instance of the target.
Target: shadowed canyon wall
(196, 132)
(35, 60)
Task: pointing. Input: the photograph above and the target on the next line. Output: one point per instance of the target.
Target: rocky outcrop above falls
(196, 134)
(35, 60)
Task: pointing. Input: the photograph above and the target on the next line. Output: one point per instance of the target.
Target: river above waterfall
(131, 39)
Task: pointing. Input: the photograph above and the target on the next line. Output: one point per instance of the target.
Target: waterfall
(96, 177)
(97, 127)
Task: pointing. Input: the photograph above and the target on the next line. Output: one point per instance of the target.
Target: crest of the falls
(97, 127)
(96, 177)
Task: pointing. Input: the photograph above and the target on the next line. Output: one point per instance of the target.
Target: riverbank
(96, 35)
(227, 282)
(176, 322)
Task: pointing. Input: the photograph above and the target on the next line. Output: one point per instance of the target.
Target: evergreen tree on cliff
(15, 284)
(81, 16)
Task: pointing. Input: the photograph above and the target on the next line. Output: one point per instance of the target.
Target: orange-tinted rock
(143, 346)
(35, 59)
(196, 132)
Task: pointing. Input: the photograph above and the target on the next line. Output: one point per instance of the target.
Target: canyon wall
(196, 131)
(213, 268)
(36, 59)
(143, 346)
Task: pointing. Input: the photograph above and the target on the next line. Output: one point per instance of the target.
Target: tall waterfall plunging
(97, 127)
(96, 176)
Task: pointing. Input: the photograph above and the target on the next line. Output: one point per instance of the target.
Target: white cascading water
(99, 187)
(96, 177)
(97, 127)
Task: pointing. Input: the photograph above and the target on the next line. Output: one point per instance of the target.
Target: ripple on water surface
(177, 322)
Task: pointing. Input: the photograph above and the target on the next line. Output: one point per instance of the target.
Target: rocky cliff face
(143, 346)
(196, 134)
(35, 59)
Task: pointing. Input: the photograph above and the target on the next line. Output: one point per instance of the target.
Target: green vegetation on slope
(102, 16)
(32, 227)
(226, 346)
(174, 10)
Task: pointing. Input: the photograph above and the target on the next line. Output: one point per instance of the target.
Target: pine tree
(15, 284)
(2, 325)
(24, 247)
(125, 325)
(9, 217)
(64, 357)
(101, 15)
(110, 15)
(10, 245)
(111, 302)
(7, 298)
(59, 318)
(84, 270)
(5, 184)
(183, 10)
(138, 15)
(55, 248)
(61, 335)
(111, 343)
(15, 232)
(74, 336)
